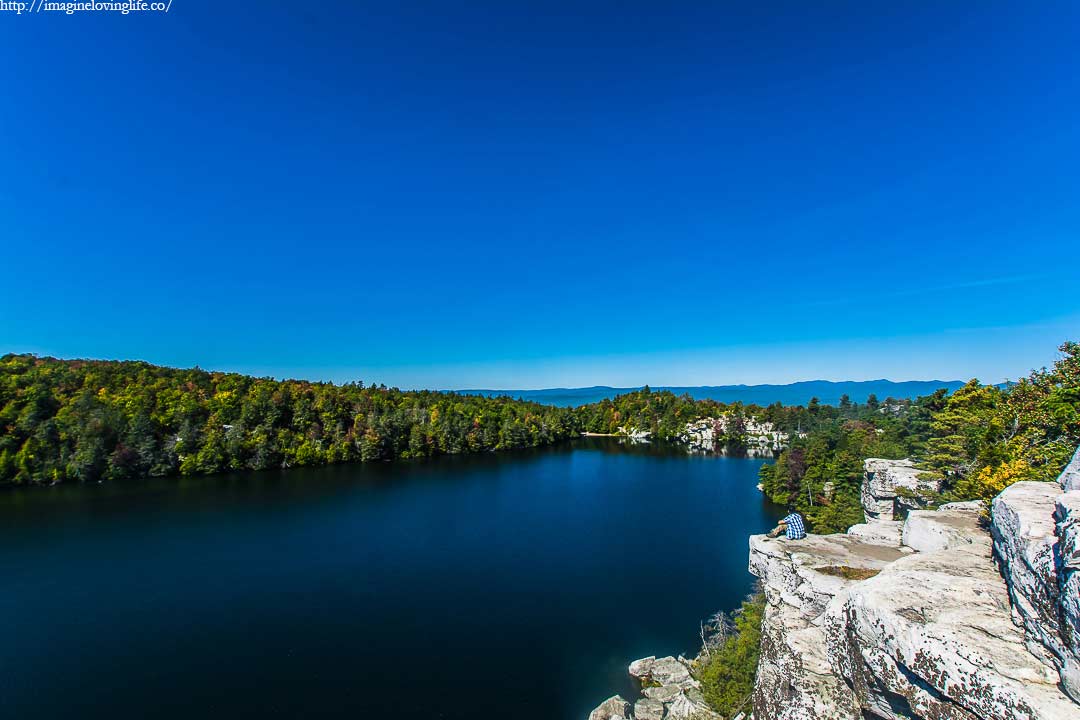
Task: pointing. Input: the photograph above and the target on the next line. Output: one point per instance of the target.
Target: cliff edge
(942, 616)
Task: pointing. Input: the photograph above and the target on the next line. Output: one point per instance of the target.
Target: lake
(511, 585)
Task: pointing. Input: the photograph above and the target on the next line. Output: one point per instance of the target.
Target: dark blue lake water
(513, 585)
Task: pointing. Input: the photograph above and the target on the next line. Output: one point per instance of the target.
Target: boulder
(669, 671)
(640, 669)
(663, 693)
(883, 532)
(648, 709)
(1070, 477)
(690, 706)
(891, 486)
(932, 530)
(614, 707)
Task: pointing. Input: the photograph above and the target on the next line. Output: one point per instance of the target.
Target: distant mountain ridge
(797, 393)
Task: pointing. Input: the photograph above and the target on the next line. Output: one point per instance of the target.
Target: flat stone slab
(669, 671)
(882, 532)
(933, 530)
(795, 680)
(936, 629)
(807, 573)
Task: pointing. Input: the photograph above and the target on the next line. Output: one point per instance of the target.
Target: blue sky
(518, 195)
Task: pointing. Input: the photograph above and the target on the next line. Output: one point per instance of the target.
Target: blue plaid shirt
(795, 528)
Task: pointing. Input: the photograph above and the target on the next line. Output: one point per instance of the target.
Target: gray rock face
(974, 506)
(1024, 543)
(926, 631)
(891, 486)
(671, 693)
(614, 708)
(931, 530)
(883, 532)
(931, 637)
(690, 705)
(669, 671)
(640, 669)
(1067, 562)
(795, 679)
(899, 620)
(1070, 478)
(648, 709)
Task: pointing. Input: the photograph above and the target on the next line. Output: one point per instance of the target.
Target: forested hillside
(86, 421)
(94, 420)
(978, 440)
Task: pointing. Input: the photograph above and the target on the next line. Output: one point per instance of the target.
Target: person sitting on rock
(792, 526)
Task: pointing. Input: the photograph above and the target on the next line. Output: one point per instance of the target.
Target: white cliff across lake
(760, 438)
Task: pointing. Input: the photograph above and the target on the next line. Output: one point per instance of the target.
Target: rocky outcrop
(634, 435)
(883, 532)
(931, 637)
(1067, 565)
(1070, 479)
(614, 708)
(944, 615)
(1024, 539)
(669, 690)
(1035, 543)
(890, 487)
(931, 628)
(760, 438)
(800, 577)
(951, 526)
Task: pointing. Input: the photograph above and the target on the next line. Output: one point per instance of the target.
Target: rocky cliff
(759, 437)
(942, 615)
(928, 614)
(669, 693)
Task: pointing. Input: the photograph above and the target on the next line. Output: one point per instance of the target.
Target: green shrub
(726, 671)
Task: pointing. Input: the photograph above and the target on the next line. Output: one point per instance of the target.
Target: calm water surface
(516, 585)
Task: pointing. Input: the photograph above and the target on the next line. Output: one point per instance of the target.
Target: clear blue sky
(517, 194)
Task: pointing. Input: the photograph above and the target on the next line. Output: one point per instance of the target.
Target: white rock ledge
(935, 631)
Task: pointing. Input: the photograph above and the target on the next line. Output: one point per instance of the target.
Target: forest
(89, 421)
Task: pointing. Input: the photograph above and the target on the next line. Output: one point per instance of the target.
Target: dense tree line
(78, 420)
(100, 420)
(976, 441)
(87, 421)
